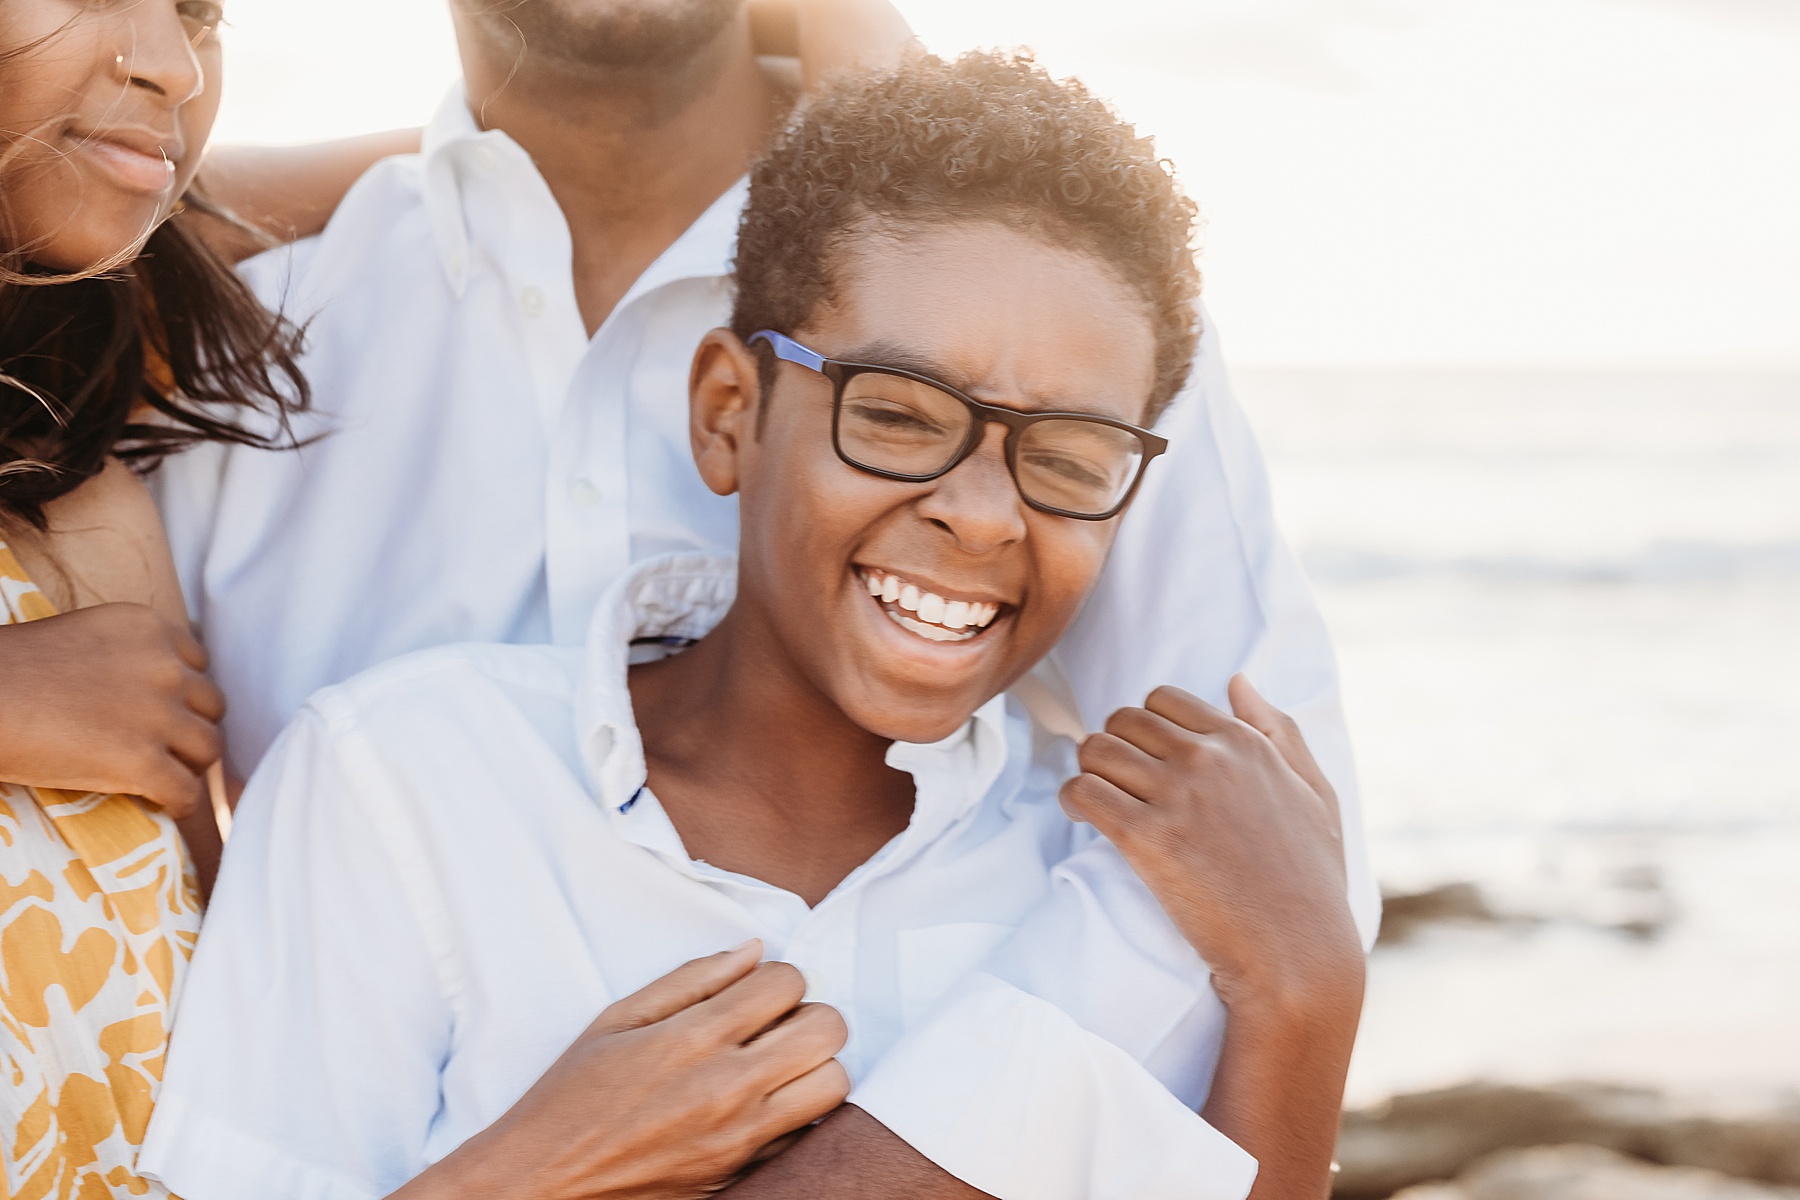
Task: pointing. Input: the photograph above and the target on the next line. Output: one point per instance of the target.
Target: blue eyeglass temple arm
(788, 350)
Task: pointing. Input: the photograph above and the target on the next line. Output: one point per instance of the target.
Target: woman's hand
(112, 698)
(1235, 829)
(669, 1093)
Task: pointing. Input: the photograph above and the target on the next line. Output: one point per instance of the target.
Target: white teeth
(939, 619)
(935, 633)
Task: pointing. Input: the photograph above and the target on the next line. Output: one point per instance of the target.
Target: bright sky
(1464, 182)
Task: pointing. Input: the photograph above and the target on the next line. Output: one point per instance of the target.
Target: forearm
(459, 1177)
(282, 193)
(852, 1155)
(1280, 1085)
(200, 830)
(483, 1168)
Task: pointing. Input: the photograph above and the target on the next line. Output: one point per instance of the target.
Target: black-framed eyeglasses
(902, 425)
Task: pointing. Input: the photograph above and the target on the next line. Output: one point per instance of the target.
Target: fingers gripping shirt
(98, 918)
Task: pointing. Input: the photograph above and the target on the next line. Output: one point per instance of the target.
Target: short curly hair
(988, 135)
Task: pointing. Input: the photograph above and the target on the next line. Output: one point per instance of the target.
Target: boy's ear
(723, 390)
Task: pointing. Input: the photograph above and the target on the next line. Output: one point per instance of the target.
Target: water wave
(1663, 562)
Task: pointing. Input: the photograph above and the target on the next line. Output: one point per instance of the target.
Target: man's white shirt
(486, 470)
(446, 867)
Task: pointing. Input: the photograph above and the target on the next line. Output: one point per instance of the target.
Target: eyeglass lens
(904, 427)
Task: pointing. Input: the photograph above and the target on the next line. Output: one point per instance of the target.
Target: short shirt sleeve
(1069, 1066)
(309, 1038)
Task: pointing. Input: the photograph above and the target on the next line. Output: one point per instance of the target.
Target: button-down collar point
(683, 596)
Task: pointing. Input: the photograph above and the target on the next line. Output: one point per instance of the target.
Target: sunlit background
(1498, 182)
(1509, 288)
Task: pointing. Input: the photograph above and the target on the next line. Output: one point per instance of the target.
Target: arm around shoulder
(1200, 586)
(257, 197)
(118, 696)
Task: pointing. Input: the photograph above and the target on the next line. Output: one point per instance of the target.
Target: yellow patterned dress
(98, 918)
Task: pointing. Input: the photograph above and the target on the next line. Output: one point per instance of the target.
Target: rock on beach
(1588, 1173)
(1459, 1133)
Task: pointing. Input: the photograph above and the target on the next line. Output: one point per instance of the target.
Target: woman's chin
(81, 245)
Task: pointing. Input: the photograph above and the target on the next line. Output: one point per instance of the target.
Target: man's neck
(633, 156)
(760, 772)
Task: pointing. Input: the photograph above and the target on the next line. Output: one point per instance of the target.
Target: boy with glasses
(964, 296)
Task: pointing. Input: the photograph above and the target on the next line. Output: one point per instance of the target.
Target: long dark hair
(136, 362)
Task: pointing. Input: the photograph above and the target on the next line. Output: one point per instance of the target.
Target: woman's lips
(133, 168)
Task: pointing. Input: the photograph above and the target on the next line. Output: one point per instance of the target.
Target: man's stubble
(603, 35)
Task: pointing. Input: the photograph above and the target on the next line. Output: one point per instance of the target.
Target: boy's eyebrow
(882, 353)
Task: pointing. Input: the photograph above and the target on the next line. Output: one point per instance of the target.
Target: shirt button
(584, 493)
(814, 986)
(531, 302)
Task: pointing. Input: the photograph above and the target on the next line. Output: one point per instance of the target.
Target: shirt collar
(449, 139)
(705, 250)
(679, 596)
(682, 596)
(456, 151)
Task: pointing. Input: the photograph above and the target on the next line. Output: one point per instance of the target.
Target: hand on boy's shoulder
(105, 545)
(110, 696)
(1232, 825)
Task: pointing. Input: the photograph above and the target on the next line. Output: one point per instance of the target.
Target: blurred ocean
(1567, 608)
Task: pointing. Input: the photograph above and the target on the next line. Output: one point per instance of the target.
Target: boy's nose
(978, 502)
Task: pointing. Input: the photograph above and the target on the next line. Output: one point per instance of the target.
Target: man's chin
(616, 35)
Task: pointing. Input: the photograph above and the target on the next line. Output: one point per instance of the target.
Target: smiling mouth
(130, 165)
(926, 613)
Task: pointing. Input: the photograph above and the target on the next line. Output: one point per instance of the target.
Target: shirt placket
(825, 942)
(828, 943)
(825, 946)
(588, 514)
(577, 383)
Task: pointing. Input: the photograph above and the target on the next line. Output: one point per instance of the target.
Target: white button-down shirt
(448, 865)
(490, 469)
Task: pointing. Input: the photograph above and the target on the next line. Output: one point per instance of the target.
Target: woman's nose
(152, 52)
(978, 502)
